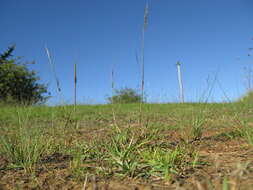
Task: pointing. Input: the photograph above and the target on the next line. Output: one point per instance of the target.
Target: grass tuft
(24, 146)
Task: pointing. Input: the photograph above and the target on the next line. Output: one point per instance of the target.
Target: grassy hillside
(193, 146)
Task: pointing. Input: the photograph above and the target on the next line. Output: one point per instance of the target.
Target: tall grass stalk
(53, 70)
(145, 24)
(180, 81)
(75, 81)
(113, 93)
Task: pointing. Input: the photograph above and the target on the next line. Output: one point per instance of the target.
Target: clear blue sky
(209, 37)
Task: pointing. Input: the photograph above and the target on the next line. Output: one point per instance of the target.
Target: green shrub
(125, 96)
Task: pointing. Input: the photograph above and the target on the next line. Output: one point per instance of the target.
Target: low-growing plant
(248, 134)
(162, 163)
(122, 153)
(244, 130)
(24, 146)
(197, 128)
(192, 130)
(79, 154)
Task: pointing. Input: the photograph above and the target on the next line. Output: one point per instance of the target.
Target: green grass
(164, 162)
(24, 144)
(96, 145)
(79, 153)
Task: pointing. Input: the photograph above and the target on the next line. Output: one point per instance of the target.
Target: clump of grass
(196, 130)
(24, 142)
(138, 152)
(243, 130)
(248, 134)
(122, 152)
(79, 153)
(24, 146)
(162, 163)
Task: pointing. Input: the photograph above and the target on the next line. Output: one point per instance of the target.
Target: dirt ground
(222, 159)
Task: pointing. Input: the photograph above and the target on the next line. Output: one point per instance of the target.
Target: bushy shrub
(125, 96)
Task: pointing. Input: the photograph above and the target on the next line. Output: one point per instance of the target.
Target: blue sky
(210, 38)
